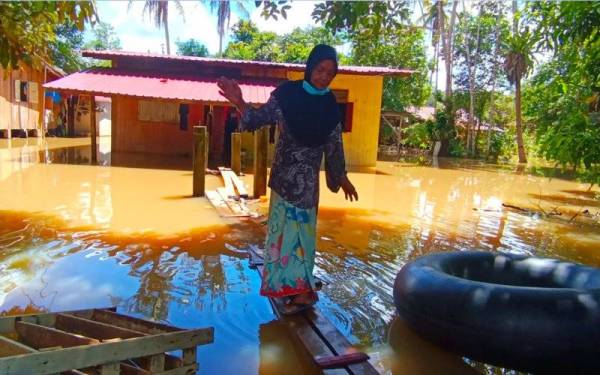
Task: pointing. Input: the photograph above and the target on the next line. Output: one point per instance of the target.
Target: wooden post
(93, 129)
(236, 153)
(70, 125)
(261, 144)
(200, 158)
(113, 126)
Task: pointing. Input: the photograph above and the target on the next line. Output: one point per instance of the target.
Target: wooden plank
(93, 329)
(234, 180)
(154, 363)
(315, 332)
(234, 206)
(127, 369)
(229, 187)
(10, 347)
(106, 352)
(38, 336)
(93, 133)
(219, 204)
(185, 370)
(338, 361)
(236, 153)
(129, 322)
(200, 160)
(7, 323)
(261, 144)
(189, 356)
(338, 342)
(110, 369)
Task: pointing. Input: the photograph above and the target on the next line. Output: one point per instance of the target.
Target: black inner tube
(521, 271)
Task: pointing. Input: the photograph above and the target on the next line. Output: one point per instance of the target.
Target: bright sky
(138, 33)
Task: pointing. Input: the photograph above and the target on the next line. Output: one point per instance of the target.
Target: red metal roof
(107, 82)
(362, 70)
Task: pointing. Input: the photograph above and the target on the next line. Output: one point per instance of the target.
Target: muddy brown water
(130, 235)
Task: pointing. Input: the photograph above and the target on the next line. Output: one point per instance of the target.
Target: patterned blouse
(295, 170)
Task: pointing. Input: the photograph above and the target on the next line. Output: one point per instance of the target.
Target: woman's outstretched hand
(230, 89)
(349, 189)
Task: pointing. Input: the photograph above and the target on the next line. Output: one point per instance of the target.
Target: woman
(307, 115)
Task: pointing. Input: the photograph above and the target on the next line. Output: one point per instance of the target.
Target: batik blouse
(295, 170)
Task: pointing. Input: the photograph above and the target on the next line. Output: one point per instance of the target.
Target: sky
(138, 33)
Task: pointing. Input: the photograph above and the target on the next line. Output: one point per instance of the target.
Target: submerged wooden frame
(97, 341)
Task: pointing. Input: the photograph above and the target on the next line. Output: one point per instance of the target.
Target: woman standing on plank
(308, 118)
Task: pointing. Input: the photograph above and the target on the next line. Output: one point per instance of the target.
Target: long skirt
(290, 249)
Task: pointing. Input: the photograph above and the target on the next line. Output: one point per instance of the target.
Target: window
(24, 91)
(346, 113)
(157, 111)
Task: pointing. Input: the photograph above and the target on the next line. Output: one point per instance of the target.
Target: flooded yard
(127, 233)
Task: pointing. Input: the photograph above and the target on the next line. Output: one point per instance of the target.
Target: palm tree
(517, 64)
(159, 11)
(223, 11)
(433, 19)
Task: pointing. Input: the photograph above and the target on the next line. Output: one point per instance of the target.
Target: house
(22, 100)
(157, 99)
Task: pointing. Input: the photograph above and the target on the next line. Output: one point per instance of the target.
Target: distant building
(157, 99)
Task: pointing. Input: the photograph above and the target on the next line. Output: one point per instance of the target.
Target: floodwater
(127, 233)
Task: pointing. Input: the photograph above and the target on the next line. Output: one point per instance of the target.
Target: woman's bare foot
(308, 298)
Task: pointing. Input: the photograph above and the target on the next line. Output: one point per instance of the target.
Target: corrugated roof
(363, 70)
(107, 82)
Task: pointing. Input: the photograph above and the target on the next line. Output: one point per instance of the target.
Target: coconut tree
(158, 10)
(433, 19)
(517, 65)
(223, 12)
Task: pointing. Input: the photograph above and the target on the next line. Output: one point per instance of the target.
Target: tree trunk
(435, 57)
(440, 39)
(166, 24)
(220, 44)
(522, 156)
(494, 76)
(520, 146)
(167, 38)
(448, 57)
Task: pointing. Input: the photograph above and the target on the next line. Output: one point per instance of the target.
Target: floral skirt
(290, 249)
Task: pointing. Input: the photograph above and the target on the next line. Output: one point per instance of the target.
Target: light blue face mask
(313, 90)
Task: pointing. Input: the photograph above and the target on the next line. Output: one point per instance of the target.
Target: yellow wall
(360, 145)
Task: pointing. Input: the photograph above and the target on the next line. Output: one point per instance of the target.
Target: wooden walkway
(96, 341)
(322, 340)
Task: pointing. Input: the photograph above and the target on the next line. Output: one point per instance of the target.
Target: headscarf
(311, 118)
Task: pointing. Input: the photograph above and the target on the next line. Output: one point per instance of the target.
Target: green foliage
(400, 47)
(191, 47)
(470, 52)
(562, 99)
(440, 128)
(28, 29)
(355, 17)
(418, 136)
(64, 51)
(297, 45)
(251, 44)
(519, 59)
(105, 38)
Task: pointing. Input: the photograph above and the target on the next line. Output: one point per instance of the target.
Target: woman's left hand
(349, 189)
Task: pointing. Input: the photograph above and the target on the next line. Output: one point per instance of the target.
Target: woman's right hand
(230, 89)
